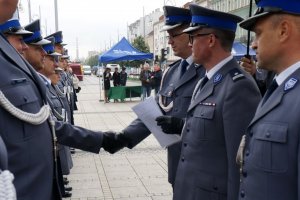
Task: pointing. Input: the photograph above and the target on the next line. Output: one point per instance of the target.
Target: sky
(95, 23)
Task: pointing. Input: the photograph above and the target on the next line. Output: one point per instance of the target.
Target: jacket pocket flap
(25, 94)
(272, 133)
(206, 112)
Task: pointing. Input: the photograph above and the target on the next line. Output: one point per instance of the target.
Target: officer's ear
(285, 28)
(212, 40)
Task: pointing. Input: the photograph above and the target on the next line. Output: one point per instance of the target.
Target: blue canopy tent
(123, 51)
(239, 50)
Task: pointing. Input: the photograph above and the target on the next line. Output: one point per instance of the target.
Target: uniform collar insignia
(290, 84)
(217, 78)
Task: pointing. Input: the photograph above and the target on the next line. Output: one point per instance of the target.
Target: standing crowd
(239, 133)
(150, 80)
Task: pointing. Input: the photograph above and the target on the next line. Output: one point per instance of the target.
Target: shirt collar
(280, 78)
(217, 67)
(189, 60)
(46, 80)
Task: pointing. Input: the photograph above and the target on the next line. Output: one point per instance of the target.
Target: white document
(148, 111)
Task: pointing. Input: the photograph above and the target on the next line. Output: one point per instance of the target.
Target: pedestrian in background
(123, 77)
(145, 76)
(116, 77)
(156, 78)
(106, 83)
(262, 77)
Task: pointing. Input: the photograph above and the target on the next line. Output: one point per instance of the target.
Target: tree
(92, 61)
(140, 44)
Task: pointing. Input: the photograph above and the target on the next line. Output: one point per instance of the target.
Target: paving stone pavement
(136, 174)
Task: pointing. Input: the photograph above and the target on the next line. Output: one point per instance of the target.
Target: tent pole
(100, 85)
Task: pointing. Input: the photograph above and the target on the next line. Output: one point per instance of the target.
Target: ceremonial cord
(7, 189)
(31, 118)
(160, 100)
(59, 92)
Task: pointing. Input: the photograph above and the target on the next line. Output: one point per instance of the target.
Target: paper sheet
(148, 111)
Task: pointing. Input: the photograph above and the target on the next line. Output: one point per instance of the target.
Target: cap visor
(22, 32)
(249, 23)
(190, 29)
(58, 69)
(169, 27)
(54, 54)
(41, 42)
(65, 57)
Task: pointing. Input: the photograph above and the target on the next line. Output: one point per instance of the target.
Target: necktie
(184, 65)
(204, 81)
(270, 90)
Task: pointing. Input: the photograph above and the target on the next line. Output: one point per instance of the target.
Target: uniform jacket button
(242, 193)
(245, 174)
(268, 134)
(247, 152)
(184, 144)
(187, 130)
(25, 99)
(182, 158)
(251, 133)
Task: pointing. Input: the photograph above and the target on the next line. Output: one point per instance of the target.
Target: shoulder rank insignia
(236, 74)
(217, 78)
(290, 84)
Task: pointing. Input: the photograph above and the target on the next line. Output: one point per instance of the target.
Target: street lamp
(56, 15)
(29, 10)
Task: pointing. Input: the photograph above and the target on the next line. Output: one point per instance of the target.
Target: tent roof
(123, 51)
(239, 50)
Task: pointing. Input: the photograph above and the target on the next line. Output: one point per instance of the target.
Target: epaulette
(236, 74)
(174, 63)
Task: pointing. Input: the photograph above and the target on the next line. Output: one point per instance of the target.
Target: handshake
(113, 142)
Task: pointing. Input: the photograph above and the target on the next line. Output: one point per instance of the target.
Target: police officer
(177, 85)
(64, 86)
(50, 75)
(222, 106)
(270, 160)
(24, 125)
(14, 32)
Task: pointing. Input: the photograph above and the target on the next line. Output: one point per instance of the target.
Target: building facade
(150, 25)
(143, 26)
